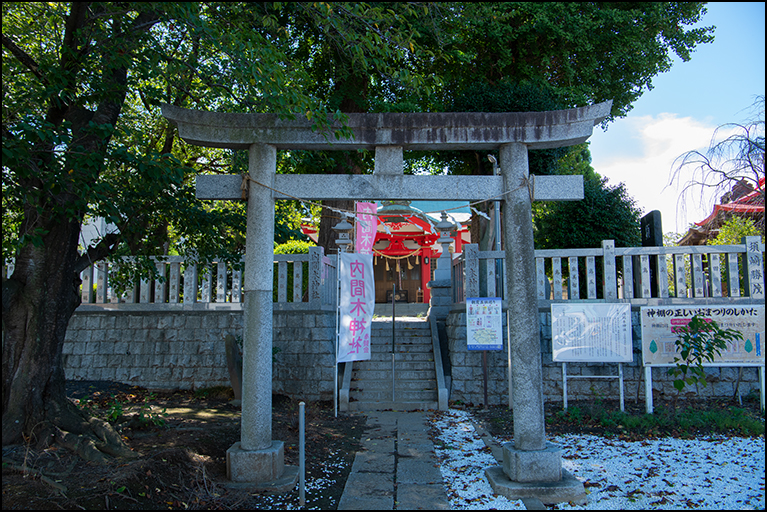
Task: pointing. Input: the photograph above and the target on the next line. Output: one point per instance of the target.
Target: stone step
(400, 339)
(384, 383)
(415, 379)
(384, 405)
(420, 374)
(378, 395)
(400, 349)
(385, 364)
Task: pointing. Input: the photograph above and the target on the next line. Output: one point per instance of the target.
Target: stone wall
(467, 382)
(175, 349)
(184, 349)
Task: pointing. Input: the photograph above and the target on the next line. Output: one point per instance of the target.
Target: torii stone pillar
(257, 458)
(532, 467)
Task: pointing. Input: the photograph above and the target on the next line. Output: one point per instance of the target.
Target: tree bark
(43, 298)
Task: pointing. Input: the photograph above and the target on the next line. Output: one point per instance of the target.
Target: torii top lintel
(411, 131)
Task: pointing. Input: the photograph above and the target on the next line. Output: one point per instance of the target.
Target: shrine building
(405, 251)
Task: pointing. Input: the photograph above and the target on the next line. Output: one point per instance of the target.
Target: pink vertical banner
(357, 301)
(366, 230)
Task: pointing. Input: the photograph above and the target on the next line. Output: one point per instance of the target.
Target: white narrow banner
(356, 306)
(366, 230)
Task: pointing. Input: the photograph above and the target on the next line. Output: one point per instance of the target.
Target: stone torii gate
(529, 460)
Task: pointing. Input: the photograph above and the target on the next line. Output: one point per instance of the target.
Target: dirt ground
(182, 438)
(182, 462)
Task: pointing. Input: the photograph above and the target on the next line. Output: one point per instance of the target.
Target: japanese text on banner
(356, 306)
(366, 230)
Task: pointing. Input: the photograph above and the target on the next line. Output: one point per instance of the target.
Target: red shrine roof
(742, 201)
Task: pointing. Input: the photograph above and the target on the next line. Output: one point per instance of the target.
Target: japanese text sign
(591, 333)
(484, 324)
(366, 230)
(659, 324)
(356, 305)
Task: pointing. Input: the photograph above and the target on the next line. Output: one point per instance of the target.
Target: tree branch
(24, 58)
(104, 248)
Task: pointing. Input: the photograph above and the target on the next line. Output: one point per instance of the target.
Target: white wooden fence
(640, 275)
(303, 281)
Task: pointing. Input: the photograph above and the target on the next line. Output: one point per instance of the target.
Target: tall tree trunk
(42, 299)
(38, 302)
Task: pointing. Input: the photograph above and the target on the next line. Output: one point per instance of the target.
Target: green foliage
(586, 52)
(606, 212)
(63, 159)
(698, 342)
(734, 229)
(114, 410)
(147, 414)
(293, 247)
(664, 421)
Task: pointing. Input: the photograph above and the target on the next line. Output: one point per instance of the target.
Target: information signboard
(484, 323)
(659, 324)
(591, 333)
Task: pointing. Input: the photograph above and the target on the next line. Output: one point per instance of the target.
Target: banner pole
(338, 334)
(393, 320)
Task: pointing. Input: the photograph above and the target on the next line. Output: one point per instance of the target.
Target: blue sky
(716, 86)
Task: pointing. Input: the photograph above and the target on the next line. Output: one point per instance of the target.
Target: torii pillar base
(260, 470)
(535, 474)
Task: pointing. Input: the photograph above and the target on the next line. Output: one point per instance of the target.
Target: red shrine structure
(741, 201)
(405, 251)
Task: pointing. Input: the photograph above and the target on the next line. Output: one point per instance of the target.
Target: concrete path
(397, 467)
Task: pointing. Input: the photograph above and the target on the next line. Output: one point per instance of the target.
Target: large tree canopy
(83, 135)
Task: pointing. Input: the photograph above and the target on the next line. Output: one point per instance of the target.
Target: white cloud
(640, 152)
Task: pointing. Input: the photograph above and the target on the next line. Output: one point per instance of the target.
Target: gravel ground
(722, 473)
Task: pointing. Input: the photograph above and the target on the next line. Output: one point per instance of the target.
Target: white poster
(366, 230)
(484, 324)
(659, 324)
(356, 305)
(591, 333)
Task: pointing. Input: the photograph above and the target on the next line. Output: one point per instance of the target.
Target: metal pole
(393, 319)
(301, 456)
(484, 374)
(338, 334)
(498, 263)
(508, 353)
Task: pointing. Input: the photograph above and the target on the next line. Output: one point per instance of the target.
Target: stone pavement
(397, 467)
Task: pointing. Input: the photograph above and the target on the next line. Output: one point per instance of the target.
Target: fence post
(190, 283)
(556, 277)
(753, 278)
(86, 293)
(298, 281)
(315, 277)
(540, 278)
(175, 282)
(160, 284)
(471, 261)
(221, 282)
(609, 284)
(102, 283)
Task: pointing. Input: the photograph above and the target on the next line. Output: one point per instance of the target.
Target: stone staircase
(415, 377)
